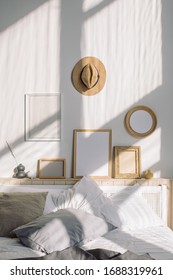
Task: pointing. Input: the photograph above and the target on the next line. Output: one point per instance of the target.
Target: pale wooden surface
(101, 182)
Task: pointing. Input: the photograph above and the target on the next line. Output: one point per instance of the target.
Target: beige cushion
(17, 209)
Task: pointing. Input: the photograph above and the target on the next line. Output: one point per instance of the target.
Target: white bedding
(11, 248)
(138, 230)
(157, 241)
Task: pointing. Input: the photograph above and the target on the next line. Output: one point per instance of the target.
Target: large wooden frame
(92, 153)
(127, 162)
(52, 168)
(42, 117)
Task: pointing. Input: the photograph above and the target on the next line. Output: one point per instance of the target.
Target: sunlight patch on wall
(27, 154)
(89, 4)
(126, 36)
(151, 152)
(29, 49)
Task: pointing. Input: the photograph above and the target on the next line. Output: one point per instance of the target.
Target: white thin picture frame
(43, 117)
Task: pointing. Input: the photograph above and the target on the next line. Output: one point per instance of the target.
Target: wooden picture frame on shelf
(52, 168)
(92, 153)
(127, 162)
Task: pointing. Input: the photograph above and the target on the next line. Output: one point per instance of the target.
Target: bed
(85, 221)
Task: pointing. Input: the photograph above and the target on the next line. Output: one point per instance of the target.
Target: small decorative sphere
(148, 174)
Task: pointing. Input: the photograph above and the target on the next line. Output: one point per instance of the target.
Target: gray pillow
(17, 209)
(62, 229)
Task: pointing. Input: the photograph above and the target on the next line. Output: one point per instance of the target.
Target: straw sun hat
(89, 75)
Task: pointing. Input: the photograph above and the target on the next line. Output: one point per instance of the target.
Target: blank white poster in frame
(127, 161)
(92, 153)
(42, 117)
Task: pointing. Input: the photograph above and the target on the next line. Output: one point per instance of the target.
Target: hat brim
(76, 76)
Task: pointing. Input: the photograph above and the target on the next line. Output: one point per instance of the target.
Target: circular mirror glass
(140, 121)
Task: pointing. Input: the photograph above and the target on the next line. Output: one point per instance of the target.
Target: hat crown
(89, 75)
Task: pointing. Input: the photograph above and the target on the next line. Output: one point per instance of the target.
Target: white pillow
(59, 230)
(86, 195)
(127, 210)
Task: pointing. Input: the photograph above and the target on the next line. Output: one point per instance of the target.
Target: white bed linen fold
(11, 248)
(157, 241)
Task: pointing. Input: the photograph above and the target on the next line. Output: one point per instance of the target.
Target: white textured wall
(40, 42)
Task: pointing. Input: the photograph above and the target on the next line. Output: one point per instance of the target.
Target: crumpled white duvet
(157, 241)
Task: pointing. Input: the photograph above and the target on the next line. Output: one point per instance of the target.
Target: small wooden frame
(92, 153)
(52, 168)
(127, 162)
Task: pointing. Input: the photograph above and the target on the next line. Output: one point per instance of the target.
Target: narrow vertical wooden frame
(92, 153)
(43, 117)
(127, 162)
(52, 168)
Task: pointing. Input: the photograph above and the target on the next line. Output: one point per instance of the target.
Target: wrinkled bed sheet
(11, 248)
(156, 241)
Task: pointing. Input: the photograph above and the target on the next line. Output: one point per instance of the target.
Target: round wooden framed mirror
(140, 121)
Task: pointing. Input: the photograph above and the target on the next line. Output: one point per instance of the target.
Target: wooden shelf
(100, 182)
